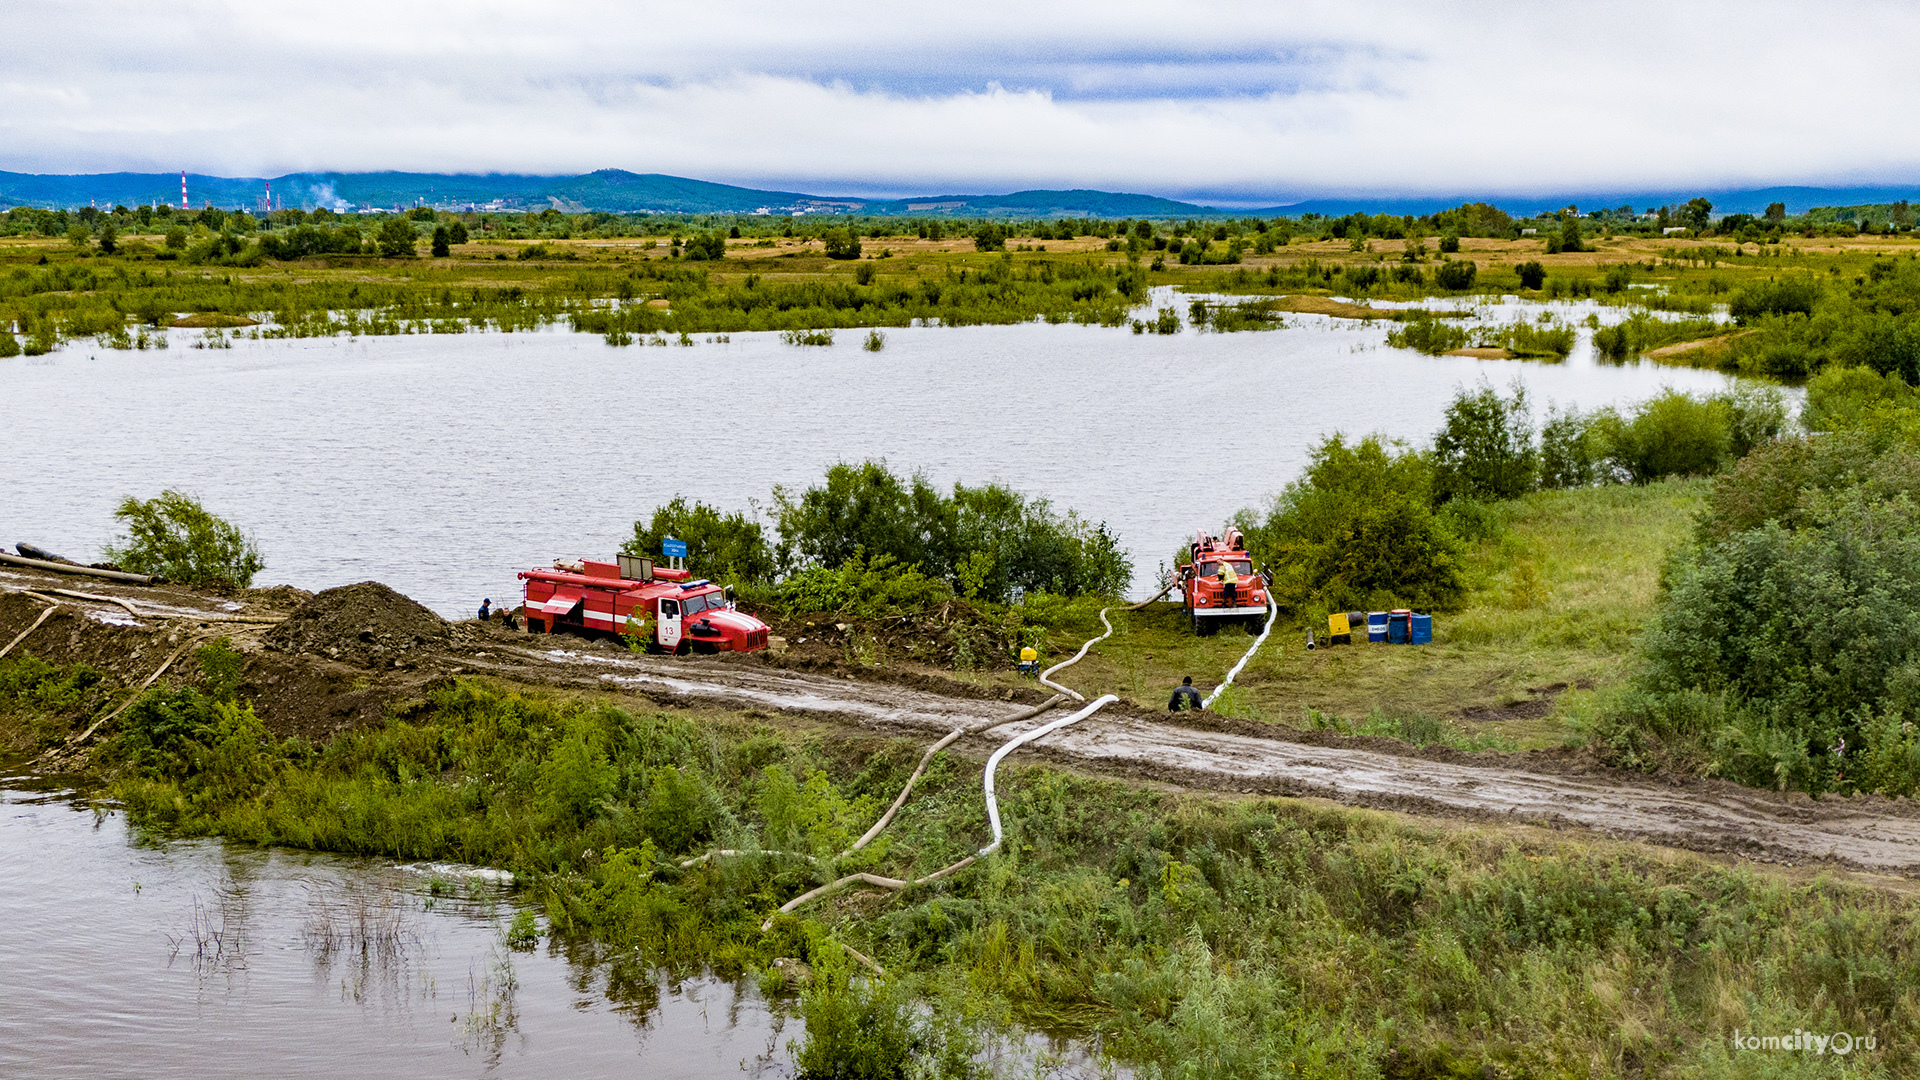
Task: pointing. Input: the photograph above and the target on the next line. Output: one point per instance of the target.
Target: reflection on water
(443, 464)
(184, 960)
(203, 959)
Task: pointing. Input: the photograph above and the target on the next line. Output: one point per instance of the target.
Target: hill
(619, 191)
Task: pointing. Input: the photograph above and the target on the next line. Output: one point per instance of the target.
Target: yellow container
(1337, 624)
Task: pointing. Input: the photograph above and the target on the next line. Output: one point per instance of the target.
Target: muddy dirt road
(1549, 788)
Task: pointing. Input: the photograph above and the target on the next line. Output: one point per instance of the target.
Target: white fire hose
(993, 763)
(1272, 612)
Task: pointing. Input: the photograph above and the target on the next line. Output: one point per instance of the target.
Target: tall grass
(1239, 938)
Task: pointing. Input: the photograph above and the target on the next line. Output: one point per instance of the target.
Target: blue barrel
(1423, 629)
(1377, 627)
(1399, 627)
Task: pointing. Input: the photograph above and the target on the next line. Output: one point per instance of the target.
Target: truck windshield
(702, 602)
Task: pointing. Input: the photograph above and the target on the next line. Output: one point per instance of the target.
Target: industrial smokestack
(183, 190)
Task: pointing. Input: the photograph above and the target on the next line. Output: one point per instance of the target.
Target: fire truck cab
(666, 609)
(1218, 584)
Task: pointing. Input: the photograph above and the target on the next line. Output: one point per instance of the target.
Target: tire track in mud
(1867, 833)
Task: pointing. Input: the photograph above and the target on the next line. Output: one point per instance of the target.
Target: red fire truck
(1219, 586)
(667, 609)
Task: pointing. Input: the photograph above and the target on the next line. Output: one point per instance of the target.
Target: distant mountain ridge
(619, 191)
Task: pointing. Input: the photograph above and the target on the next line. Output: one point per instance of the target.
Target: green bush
(1545, 338)
(986, 541)
(1849, 398)
(396, 238)
(1426, 334)
(1455, 274)
(1485, 450)
(1795, 294)
(862, 586)
(1532, 274)
(1359, 530)
(728, 547)
(174, 537)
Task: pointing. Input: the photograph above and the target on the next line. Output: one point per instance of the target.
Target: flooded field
(442, 464)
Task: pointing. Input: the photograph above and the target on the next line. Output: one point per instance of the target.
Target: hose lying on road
(993, 763)
(1272, 612)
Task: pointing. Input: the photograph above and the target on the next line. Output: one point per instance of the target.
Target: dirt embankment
(342, 657)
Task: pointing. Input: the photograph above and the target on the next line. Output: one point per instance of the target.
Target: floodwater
(442, 464)
(202, 960)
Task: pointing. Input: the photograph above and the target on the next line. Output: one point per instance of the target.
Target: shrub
(1426, 334)
(990, 537)
(1485, 450)
(174, 537)
(727, 547)
(441, 242)
(1848, 398)
(1359, 530)
(1449, 242)
(990, 237)
(1532, 274)
(1804, 637)
(841, 244)
(1456, 274)
(395, 238)
(1775, 298)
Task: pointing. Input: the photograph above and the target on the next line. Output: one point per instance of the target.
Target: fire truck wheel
(1256, 624)
(1204, 627)
(683, 648)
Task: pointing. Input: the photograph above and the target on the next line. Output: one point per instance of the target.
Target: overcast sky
(1228, 101)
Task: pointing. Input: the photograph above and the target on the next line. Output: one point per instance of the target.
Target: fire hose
(1272, 612)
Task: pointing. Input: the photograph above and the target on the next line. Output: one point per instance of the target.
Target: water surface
(443, 464)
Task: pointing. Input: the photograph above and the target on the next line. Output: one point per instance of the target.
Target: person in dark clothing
(1184, 696)
(486, 609)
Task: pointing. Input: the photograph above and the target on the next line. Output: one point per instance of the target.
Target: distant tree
(1449, 242)
(1696, 212)
(1776, 212)
(1570, 235)
(457, 232)
(990, 237)
(734, 233)
(395, 238)
(176, 238)
(78, 235)
(1456, 274)
(420, 213)
(712, 245)
(841, 244)
(440, 242)
(1143, 229)
(1532, 274)
(1902, 215)
(109, 239)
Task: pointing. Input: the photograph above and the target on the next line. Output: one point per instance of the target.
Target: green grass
(1556, 600)
(1195, 935)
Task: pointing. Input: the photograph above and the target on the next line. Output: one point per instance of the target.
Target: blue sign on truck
(673, 549)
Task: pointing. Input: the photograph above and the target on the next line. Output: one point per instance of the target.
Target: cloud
(1227, 101)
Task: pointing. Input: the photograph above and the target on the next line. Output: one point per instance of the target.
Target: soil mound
(366, 624)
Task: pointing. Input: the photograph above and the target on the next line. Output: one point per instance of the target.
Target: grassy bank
(1194, 935)
(1559, 588)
